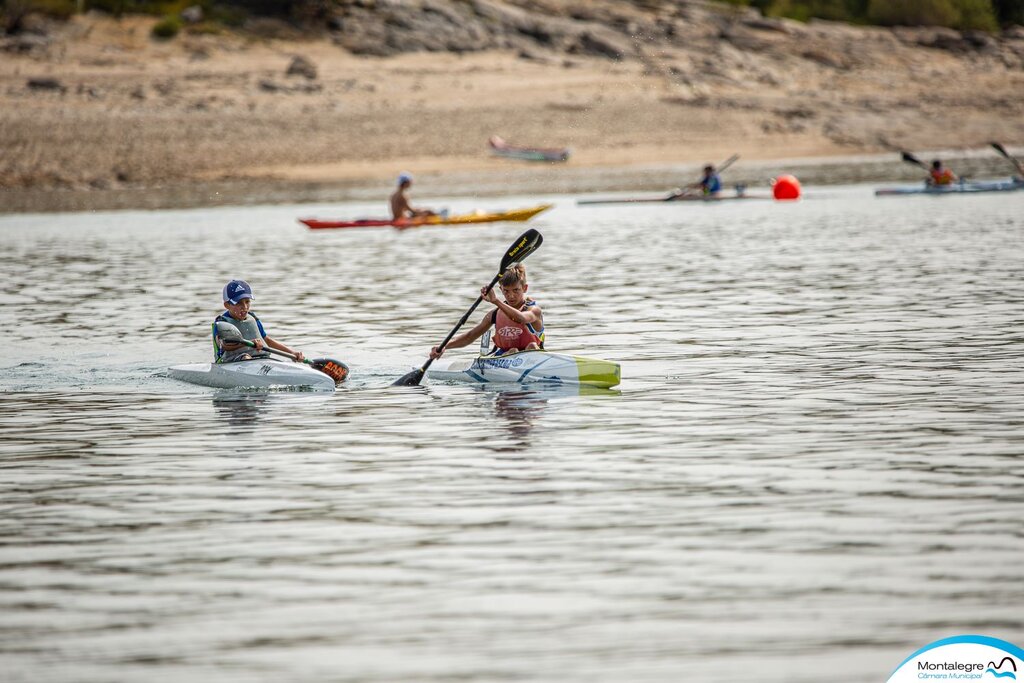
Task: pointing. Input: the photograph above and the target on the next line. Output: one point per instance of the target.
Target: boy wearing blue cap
(237, 300)
(400, 208)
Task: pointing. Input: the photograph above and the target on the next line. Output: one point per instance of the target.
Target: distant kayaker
(400, 207)
(237, 300)
(518, 321)
(709, 185)
(940, 175)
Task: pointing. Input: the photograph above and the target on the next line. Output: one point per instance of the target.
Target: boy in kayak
(237, 300)
(940, 175)
(518, 321)
(400, 207)
(709, 185)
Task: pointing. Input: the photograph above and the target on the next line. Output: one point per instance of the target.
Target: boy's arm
(274, 344)
(529, 316)
(464, 339)
(234, 346)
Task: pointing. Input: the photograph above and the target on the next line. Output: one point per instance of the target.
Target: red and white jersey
(512, 336)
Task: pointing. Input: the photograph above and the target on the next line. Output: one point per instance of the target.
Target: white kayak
(528, 366)
(261, 372)
(961, 187)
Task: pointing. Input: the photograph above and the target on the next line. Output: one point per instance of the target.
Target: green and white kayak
(528, 366)
(259, 373)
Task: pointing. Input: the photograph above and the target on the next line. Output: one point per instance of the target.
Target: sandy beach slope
(102, 115)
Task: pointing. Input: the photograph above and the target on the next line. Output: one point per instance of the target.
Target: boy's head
(937, 164)
(513, 285)
(404, 179)
(237, 298)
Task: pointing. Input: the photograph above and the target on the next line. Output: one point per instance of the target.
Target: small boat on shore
(516, 215)
(961, 187)
(527, 367)
(502, 149)
(262, 373)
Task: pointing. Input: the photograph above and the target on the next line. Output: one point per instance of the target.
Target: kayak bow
(529, 366)
(256, 373)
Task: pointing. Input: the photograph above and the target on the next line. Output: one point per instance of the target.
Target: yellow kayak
(518, 215)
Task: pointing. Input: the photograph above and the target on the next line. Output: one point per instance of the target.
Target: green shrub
(912, 12)
(976, 14)
(167, 28)
(961, 14)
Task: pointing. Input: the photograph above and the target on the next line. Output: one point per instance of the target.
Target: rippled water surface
(812, 466)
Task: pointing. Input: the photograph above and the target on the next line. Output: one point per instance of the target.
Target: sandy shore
(133, 122)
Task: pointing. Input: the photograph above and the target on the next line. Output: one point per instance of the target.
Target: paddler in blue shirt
(709, 185)
(237, 301)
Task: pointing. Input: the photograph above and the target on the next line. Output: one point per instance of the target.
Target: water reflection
(520, 408)
(797, 378)
(241, 408)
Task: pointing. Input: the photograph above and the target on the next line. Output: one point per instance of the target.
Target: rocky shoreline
(96, 113)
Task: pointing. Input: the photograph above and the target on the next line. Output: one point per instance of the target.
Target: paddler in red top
(518, 321)
(940, 175)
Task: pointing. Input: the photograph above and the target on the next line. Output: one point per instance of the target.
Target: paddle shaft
(266, 348)
(334, 369)
(1009, 157)
(727, 163)
(461, 322)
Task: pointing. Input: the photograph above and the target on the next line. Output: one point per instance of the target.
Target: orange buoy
(786, 187)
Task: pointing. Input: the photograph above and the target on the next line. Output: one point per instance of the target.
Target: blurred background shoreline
(104, 112)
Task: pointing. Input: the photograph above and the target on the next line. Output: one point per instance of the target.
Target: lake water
(812, 467)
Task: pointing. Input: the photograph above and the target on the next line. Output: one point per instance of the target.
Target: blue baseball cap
(236, 290)
(404, 178)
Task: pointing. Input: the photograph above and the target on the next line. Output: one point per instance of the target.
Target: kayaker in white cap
(400, 207)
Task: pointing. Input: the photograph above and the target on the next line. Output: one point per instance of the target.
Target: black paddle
(911, 159)
(334, 369)
(525, 244)
(1009, 157)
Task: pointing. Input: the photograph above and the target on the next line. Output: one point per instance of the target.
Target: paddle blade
(525, 244)
(334, 369)
(999, 148)
(410, 380)
(911, 159)
(228, 332)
